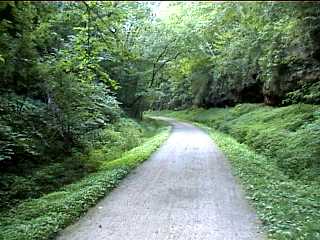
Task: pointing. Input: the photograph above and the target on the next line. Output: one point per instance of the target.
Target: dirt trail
(185, 191)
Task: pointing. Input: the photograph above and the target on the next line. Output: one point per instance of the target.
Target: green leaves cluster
(63, 71)
(67, 72)
(234, 52)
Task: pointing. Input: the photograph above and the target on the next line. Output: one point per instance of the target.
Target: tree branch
(156, 70)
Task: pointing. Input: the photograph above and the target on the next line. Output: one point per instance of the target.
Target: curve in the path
(184, 191)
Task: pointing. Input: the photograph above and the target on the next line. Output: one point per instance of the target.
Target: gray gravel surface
(184, 191)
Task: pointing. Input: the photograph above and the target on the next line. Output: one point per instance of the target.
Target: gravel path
(185, 191)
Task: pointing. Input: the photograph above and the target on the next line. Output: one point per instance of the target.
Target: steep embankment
(275, 152)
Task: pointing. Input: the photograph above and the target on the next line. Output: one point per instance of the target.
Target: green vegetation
(77, 77)
(288, 209)
(233, 52)
(275, 152)
(31, 180)
(290, 135)
(42, 218)
(70, 80)
(60, 114)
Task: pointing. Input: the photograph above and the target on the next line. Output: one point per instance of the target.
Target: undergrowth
(275, 153)
(289, 135)
(42, 218)
(27, 180)
(288, 210)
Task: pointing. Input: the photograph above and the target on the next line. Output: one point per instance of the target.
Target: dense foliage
(70, 69)
(30, 179)
(57, 60)
(67, 73)
(74, 75)
(231, 53)
(42, 218)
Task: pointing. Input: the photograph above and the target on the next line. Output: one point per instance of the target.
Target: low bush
(27, 179)
(42, 218)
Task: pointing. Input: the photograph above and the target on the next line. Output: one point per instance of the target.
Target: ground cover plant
(275, 154)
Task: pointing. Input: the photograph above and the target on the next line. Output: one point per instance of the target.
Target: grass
(287, 210)
(275, 153)
(289, 135)
(42, 218)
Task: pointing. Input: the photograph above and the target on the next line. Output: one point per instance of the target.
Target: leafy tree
(251, 52)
